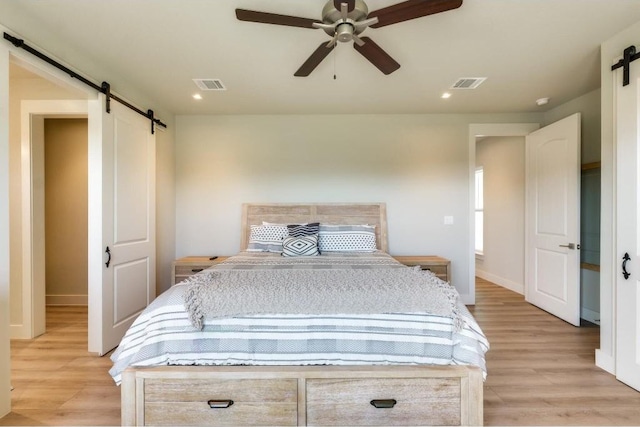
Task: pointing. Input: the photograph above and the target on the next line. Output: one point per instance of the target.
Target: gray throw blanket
(227, 293)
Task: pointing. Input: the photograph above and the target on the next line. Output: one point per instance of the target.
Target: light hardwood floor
(541, 371)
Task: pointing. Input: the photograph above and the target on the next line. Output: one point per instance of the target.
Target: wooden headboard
(326, 213)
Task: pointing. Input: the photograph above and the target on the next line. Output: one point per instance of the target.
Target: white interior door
(552, 277)
(122, 219)
(627, 116)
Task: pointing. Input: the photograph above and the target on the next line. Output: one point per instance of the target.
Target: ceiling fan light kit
(345, 20)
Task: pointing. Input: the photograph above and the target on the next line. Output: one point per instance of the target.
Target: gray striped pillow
(297, 230)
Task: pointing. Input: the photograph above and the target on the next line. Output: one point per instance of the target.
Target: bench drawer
(403, 401)
(220, 402)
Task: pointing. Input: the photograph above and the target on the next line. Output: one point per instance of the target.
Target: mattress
(163, 334)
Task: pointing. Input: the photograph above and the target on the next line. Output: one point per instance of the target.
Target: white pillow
(347, 238)
(267, 238)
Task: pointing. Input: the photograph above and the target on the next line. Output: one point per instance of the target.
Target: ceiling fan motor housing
(345, 30)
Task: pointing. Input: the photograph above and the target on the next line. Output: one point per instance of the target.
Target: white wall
(417, 164)
(503, 161)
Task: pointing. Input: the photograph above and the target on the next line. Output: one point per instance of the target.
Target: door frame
(32, 235)
(477, 130)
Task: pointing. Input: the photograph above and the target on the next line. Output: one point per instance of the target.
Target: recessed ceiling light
(542, 101)
(446, 95)
(197, 96)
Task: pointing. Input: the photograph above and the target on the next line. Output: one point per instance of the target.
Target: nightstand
(190, 265)
(441, 267)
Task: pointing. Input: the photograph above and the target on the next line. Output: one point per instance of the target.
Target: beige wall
(66, 210)
(417, 164)
(503, 161)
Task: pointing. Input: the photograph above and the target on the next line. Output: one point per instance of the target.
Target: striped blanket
(164, 335)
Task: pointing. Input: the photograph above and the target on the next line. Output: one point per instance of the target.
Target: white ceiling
(152, 49)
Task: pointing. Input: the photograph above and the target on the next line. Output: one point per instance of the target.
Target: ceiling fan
(344, 20)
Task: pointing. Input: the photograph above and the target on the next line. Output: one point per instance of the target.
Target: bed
(359, 366)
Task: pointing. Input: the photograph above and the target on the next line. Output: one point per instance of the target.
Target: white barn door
(627, 118)
(121, 221)
(552, 278)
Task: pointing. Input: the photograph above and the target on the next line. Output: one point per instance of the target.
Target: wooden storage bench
(302, 395)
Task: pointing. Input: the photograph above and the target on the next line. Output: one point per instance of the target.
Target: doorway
(478, 132)
(28, 289)
(501, 161)
(65, 210)
(499, 149)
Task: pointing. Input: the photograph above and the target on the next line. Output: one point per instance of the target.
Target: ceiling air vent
(209, 84)
(468, 82)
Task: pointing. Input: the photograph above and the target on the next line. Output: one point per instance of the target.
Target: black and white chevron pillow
(297, 230)
(300, 246)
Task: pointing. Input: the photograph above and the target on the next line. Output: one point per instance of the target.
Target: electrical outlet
(448, 220)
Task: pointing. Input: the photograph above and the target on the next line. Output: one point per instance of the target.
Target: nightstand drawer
(188, 266)
(441, 267)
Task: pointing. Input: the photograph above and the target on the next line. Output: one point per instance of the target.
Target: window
(479, 211)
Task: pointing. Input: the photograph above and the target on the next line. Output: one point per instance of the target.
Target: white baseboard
(590, 315)
(606, 362)
(505, 283)
(67, 300)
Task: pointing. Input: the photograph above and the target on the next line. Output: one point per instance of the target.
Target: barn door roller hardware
(105, 88)
(628, 57)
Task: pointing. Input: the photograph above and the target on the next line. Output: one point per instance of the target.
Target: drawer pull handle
(384, 403)
(196, 270)
(220, 404)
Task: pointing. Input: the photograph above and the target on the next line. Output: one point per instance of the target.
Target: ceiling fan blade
(411, 9)
(274, 18)
(314, 60)
(376, 55)
(351, 4)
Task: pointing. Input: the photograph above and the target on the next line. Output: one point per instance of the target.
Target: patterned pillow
(297, 230)
(267, 238)
(300, 246)
(347, 238)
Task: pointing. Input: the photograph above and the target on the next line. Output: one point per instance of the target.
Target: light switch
(448, 220)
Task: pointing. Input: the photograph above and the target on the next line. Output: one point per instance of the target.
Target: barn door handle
(108, 252)
(384, 403)
(625, 258)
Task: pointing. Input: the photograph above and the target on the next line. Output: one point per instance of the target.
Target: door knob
(570, 246)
